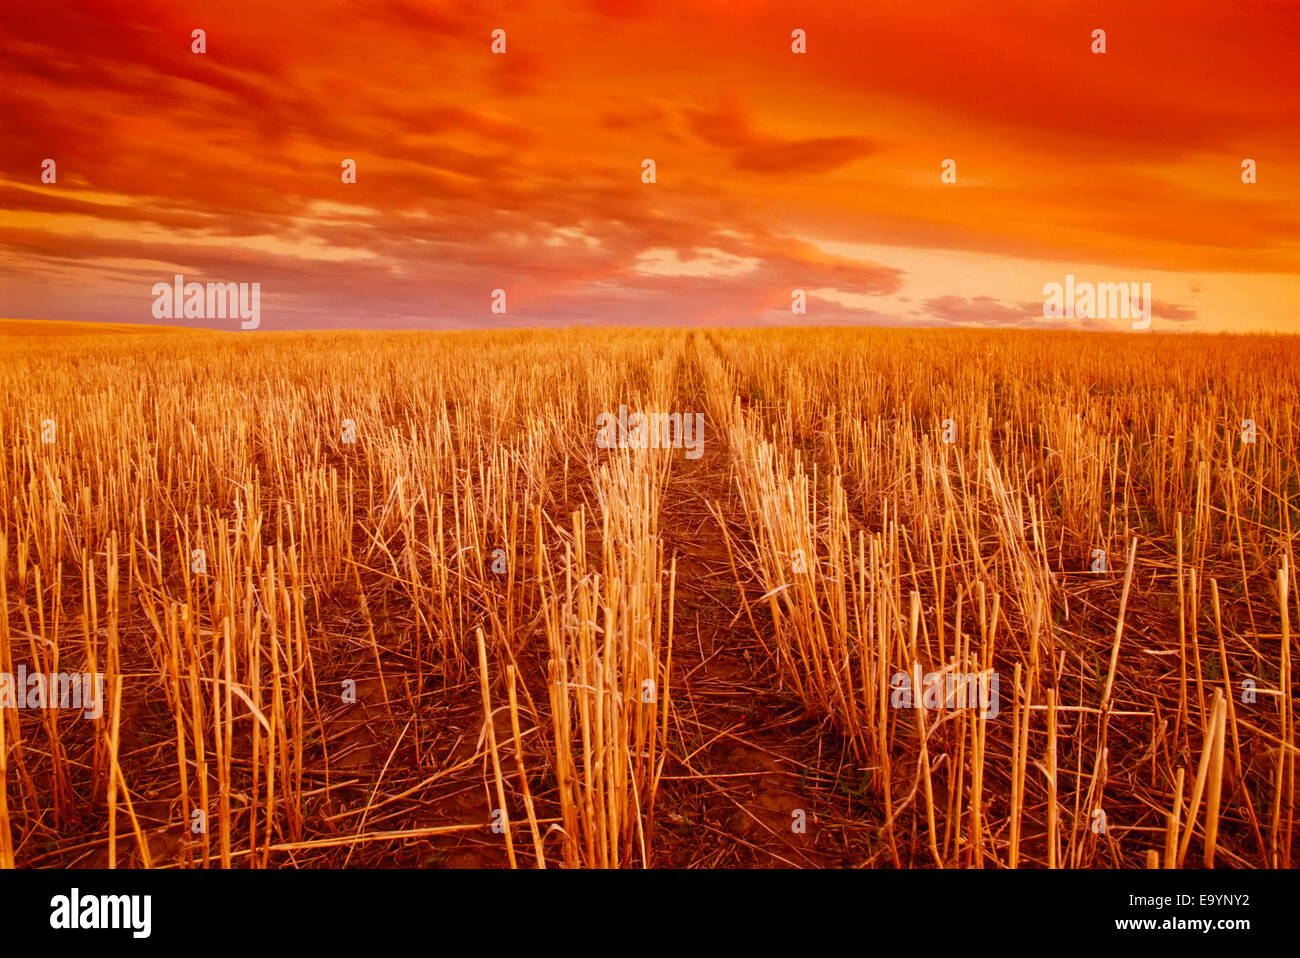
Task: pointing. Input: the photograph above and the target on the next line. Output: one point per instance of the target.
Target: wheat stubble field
(370, 599)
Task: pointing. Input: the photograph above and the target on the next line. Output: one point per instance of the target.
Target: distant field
(878, 598)
(47, 327)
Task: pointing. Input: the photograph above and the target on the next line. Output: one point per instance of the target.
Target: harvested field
(902, 599)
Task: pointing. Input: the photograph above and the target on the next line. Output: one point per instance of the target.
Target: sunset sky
(775, 170)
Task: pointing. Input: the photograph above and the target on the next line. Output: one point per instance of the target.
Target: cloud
(479, 171)
(730, 129)
(982, 311)
(1173, 313)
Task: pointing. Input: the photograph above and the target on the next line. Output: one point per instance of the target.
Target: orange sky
(775, 170)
